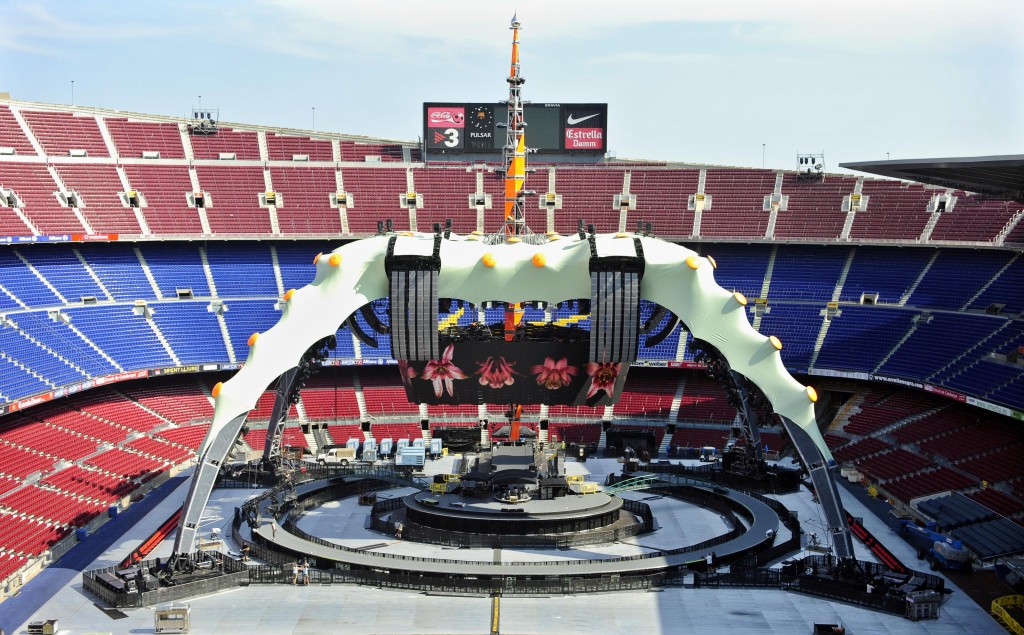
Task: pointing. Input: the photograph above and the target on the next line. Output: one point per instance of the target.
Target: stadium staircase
(92, 274)
(26, 369)
(101, 123)
(929, 227)
(766, 286)
(896, 347)
(126, 186)
(698, 211)
(268, 185)
(1009, 227)
(311, 441)
(836, 293)
(63, 189)
(42, 278)
(193, 177)
(773, 214)
(148, 272)
(969, 353)
(357, 388)
(277, 270)
(924, 272)
(91, 344)
(340, 185)
(29, 133)
(225, 333)
(991, 280)
(163, 341)
(186, 144)
(677, 399)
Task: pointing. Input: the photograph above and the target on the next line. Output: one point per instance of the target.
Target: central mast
(514, 154)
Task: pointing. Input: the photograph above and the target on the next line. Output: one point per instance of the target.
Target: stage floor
(284, 610)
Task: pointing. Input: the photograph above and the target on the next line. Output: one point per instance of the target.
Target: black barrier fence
(119, 589)
(725, 505)
(282, 574)
(867, 584)
(783, 482)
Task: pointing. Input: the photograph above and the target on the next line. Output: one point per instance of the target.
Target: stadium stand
(34, 187)
(305, 205)
(97, 187)
(134, 138)
(446, 193)
(164, 189)
(286, 147)
(60, 132)
(234, 205)
(376, 195)
(242, 143)
(11, 134)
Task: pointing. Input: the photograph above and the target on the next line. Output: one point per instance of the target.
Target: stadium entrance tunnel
(561, 268)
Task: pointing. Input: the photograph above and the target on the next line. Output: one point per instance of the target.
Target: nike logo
(572, 121)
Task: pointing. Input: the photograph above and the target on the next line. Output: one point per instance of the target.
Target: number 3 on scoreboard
(451, 137)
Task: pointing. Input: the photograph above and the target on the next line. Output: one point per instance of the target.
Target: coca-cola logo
(446, 117)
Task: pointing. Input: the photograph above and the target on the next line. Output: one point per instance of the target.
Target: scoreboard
(450, 128)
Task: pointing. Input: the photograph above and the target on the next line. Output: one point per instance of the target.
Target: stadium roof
(1001, 176)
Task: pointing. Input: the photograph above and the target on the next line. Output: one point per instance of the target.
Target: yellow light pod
(477, 232)
(693, 262)
(334, 260)
(714, 265)
(539, 260)
(489, 260)
(812, 394)
(288, 294)
(554, 237)
(513, 240)
(739, 297)
(316, 258)
(776, 342)
(216, 389)
(253, 338)
(622, 235)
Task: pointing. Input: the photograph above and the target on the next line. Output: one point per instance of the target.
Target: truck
(941, 551)
(336, 456)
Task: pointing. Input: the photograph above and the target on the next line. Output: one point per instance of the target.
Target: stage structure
(513, 363)
(561, 269)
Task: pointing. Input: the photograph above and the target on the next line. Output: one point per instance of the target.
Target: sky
(729, 82)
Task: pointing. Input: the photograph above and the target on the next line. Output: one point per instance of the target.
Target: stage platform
(288, 610)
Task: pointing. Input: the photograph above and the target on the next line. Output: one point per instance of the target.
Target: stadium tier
(67, 307)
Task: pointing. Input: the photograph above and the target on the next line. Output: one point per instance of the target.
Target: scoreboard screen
(450, 128)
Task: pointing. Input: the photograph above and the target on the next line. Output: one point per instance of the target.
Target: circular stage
(563, 515)
(759, 516)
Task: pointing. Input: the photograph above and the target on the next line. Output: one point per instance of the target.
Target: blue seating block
(176, 266)
(191, 330)
(861, 336)
(119, 269)
(20, 281)
(241, 269)
(62, 268)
